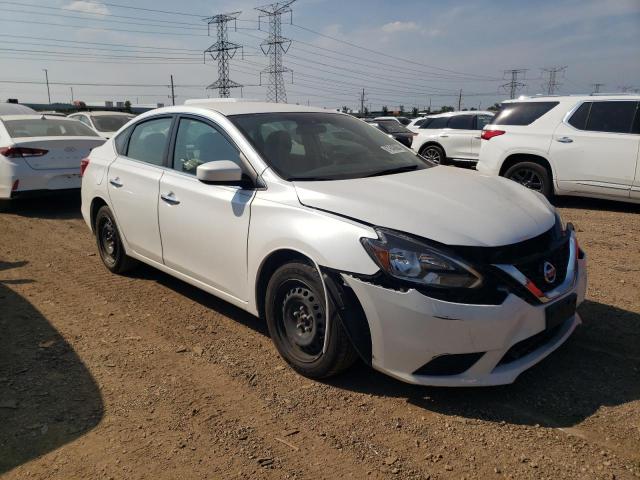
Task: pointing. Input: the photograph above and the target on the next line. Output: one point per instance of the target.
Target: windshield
(325, 146)
(47, 127)
(109, 123)
(391, 126)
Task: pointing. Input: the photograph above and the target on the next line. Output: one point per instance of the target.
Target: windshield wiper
(390, 171)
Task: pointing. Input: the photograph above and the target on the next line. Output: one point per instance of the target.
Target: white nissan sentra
(347, 243)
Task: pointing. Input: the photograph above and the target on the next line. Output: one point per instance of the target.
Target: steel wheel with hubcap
(295, 308)
(109, 244)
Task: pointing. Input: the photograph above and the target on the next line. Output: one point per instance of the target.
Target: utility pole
(514, 83)
(552, 73)
(362, 100)
(71, 88)
(597, 87)
(460, 100)
(275, 46)
(429, 104)
(222, 51)
(46, 76)
(173, 93)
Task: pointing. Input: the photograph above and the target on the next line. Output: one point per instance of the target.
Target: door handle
(564, 140)
(478, 138)
(116, 182)
(169, 198)
(443, 136)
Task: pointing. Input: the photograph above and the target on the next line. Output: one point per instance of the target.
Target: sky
(402, 52)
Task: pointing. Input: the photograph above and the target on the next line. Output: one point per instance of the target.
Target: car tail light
(489, 134)
(18, 152)
(14, 187)
(84, 163)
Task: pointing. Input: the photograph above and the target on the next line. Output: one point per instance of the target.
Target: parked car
(42, 153)
(572, 145)
(414, 124)
(15, 109)
(396, 131)
(451, 136)
(347, 244)
(401, 120)
(106, 123)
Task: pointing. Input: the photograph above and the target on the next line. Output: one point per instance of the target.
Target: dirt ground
(103, 376)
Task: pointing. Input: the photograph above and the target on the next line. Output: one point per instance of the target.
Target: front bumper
(409, 329)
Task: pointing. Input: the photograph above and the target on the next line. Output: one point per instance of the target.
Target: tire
(435, 153)
(296, 319)
(109, 243)
(5, 205)
(531, 175)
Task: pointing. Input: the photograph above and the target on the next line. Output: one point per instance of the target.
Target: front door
(456, 139)
(204, 227)
(134, 183)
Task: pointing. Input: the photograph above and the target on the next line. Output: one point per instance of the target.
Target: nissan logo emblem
(549, 272)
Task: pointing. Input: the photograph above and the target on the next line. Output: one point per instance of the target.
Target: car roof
(462, 112)
(228, 106)
(98, 113)
(574, 98)
(14, 109)
(36, 117)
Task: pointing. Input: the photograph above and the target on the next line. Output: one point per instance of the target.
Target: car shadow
(200, 296)
(48, 398)
(598, 366)
(58, 205)
(585, 203)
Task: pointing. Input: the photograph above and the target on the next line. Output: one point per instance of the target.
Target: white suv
(335, 235)
(451, 136)
(573, 145)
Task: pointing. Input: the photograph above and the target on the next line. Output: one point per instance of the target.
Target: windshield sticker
(393, 149)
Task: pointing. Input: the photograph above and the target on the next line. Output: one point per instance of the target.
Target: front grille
(533, 269)
(531, 344)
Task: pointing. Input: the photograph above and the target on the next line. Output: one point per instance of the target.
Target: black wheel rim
(108, 242)
(300, 321)
(529, 178)
(432, 154)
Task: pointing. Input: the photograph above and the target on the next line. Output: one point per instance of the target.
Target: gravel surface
(144, 376)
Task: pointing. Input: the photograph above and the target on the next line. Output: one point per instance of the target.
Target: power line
(223, 51)
(274, 47)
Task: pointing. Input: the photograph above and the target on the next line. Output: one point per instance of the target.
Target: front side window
(149, 140)
(197, 143)
(613, 117)
(461, 122)
(110, 123)
(482, 121)
(47, 127)
(332, 146)
(522, 113)
(83, 119)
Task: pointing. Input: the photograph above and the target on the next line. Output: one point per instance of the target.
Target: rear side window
(149, 140)
(461, 122)
(120, 141)
(522, 113)
(579, 117)
(614, 117)
(439, 122)
(47, 127)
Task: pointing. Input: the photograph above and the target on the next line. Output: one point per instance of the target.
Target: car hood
(445, 204)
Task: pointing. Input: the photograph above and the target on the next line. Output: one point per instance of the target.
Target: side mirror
(220, 171)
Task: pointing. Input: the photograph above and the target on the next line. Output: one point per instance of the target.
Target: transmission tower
(222, 51)
(597, 87)
(275, 47)
(514, 84)
(553, 73)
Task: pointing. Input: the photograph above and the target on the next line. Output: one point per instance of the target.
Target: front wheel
(297, 320)
(531, 175)
(433, 153)
(109, 243)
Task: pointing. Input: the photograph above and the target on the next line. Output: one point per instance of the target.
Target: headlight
(413, 261)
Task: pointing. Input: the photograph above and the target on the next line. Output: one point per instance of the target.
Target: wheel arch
(430, 143)
(96, 204)
(515, 158)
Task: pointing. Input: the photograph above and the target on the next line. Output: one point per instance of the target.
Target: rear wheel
(109, 243)
(433, 153)
(298, 323)
(531, 175)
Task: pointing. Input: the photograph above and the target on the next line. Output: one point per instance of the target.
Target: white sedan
(42, 153)
(335, 235)
(105, 123)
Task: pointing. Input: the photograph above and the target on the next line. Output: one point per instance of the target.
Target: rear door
(595, 150)
(204, 227)
(456, 138)
(134, 185)
(480, 122)
(635, 188)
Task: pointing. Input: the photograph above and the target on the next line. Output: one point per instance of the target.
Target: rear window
(109, 123)
(391, 126)
(522, 113)
(47, 127)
